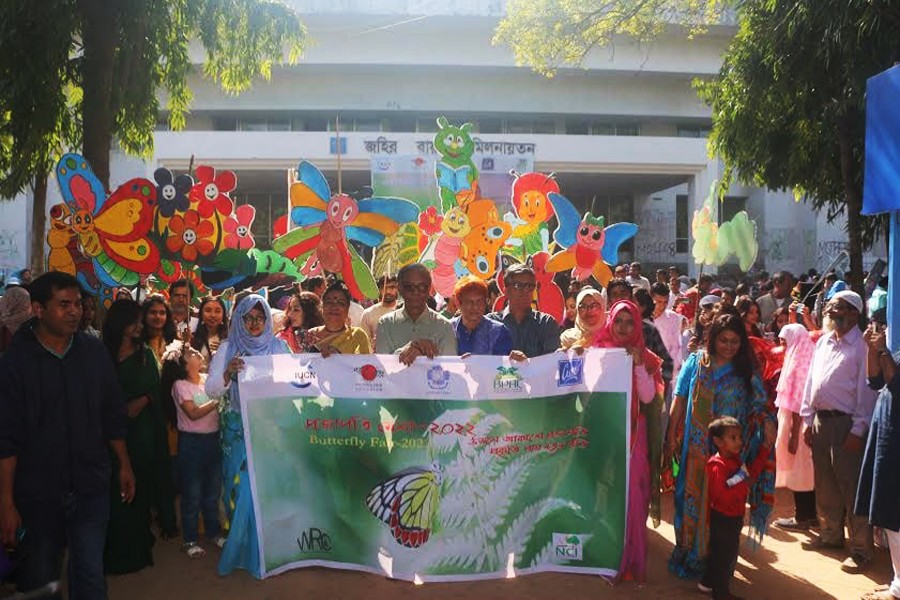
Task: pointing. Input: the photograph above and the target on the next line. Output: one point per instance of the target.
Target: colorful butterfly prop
(548, 297)
(112, 246)
(713, 244)
(408, 502)
(328, 223)
(589, 247)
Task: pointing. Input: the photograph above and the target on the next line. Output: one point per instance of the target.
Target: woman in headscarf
(590, 317)
(250, 334)
(792, 456)
(15, 309)
(623, 330)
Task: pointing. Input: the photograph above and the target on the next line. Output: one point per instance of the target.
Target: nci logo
(508, 379)
(438, 378)
(568, 546)
(314, 540)
(571, 372)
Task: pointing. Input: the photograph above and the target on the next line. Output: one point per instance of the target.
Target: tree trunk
(39, 224)
(99, 39)
(853, 197)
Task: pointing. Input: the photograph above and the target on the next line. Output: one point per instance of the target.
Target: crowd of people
(775, 382)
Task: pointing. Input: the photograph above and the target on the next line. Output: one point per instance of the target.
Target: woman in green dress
(129, 540)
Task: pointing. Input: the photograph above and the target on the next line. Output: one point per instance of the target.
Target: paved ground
(780, 569)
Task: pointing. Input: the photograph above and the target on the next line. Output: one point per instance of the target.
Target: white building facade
(625, 135)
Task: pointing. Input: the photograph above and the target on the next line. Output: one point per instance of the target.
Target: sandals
(193, 550)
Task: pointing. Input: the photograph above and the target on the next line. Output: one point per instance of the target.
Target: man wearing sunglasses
(534, 333)
(415, 330)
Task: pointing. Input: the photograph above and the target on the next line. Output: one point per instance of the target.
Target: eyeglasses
(837, 306)
(591, 306)
(251, 320)
(422, 288)
(519, 286)
(335, 302)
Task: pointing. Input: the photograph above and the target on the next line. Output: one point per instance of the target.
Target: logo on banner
(568, 546)
(438, 378)
(571, 372)
(508, 379)
(304, 377)
(368, 378)
(314, 540)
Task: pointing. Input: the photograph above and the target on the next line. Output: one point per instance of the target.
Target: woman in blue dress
(720, 380)
(250, 334)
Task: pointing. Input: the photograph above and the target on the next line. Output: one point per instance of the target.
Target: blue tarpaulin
(881, 190)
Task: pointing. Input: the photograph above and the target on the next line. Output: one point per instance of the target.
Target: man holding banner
(415, 330)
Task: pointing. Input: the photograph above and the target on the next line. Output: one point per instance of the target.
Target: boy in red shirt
(728, 481)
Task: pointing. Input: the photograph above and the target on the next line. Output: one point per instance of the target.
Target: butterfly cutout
(111, 231)
(328, 223)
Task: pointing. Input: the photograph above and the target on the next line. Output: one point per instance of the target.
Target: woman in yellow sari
(336, 336)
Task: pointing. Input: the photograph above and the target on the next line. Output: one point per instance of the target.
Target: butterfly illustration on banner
(110, 232)
(408, 502)
(589, 247)
(328, 223)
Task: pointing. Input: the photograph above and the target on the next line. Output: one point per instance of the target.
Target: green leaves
(791, 91)
(548, 34)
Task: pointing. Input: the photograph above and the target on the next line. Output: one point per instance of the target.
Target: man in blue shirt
(533, 333)
(475, 333)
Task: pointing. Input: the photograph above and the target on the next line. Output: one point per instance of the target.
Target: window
(681, 224)
(224, 124)
(544, 126)
(578, 126)
(426, 125)
(628, 129)
(519, 126)
(731, 206)
(367, 124)
(252, 124)
(601, 128)
(693, 131)
(278, 125)
(490, 125)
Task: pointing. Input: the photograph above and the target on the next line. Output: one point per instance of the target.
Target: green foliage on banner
(497, 494)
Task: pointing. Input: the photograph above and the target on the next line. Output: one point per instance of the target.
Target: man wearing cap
(837, 408)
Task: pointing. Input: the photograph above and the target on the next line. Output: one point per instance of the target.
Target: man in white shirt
(837, 408)
(636, 279)
(388, 292)
(669, 324)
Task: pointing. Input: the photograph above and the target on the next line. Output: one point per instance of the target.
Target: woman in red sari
(623, 330)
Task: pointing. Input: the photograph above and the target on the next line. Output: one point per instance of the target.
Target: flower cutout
(237, 228)
(189, 235)
(430, 221)
(211, 191)
(172, 192)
